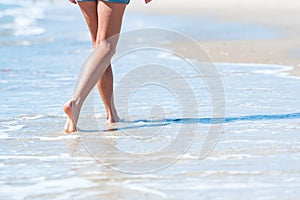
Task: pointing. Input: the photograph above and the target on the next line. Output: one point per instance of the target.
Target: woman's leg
(109, 23)
(105, 88)
(89, 11)
(105, 84)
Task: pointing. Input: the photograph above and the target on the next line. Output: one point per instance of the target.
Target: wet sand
(278, 15)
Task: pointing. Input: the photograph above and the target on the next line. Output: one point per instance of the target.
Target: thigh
(86, 0)
(110, 17)
(118, 1)
(89, 11)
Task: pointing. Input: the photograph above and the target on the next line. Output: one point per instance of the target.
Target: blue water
(42, 48)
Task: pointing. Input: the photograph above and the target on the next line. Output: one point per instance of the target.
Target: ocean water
(43, 47)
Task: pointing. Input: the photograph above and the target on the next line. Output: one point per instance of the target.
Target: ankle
(76, 102)
(112, 115)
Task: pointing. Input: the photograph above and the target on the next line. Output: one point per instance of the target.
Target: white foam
(269, 69)
(19, 43)
(3, 136)
(44, 138)
(46, 187)
(3, 81)
(143, 189)
(232, 172)
(32, 117)
(11, 128)
(169, 56)
(45, 158)
(229, 157)
(217, 157)
(24, 22)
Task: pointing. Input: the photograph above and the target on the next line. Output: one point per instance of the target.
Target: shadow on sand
(144, 123)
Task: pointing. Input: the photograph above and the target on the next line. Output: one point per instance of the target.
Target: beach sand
(281, 16)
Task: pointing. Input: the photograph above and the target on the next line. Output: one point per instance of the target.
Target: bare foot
(70, 110)
(112, 118)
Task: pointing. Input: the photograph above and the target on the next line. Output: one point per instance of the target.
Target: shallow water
(257, 155)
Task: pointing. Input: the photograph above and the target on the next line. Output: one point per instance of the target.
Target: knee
(106, 46)
(97, 43)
